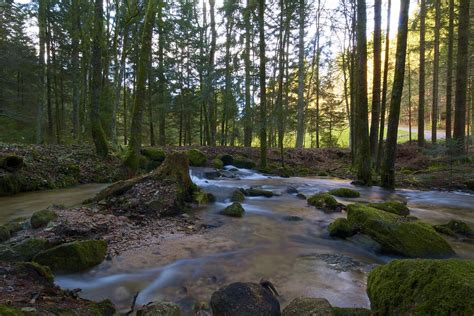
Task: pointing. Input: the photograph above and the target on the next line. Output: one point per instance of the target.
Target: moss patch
(345, 193)
(196, 158)
(345, 311)
(73, 257)
(154, 154)
(9, 184)
(243, 162)
(4, 233)
(23, 251)
(323, 200)
(233, 210)
(217, 163)
(410, 239)
(340, 228)
(6, 310)
(308, 306)
(237, 196)
(454, 227)
(422, 287)
(103, 308)
(42, 218)
(41, 271)
(394, 207)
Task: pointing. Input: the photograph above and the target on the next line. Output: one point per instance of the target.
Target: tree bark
(263, 91)
(300, 130)
(247, 64)
(435, 104)
(421, 81)
(449, 71)
(374, 126)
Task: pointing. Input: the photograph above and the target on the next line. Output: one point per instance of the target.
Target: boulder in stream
(395, 235)
(196, 158)
(455, 228)
(42, 218)
(259, 192)
(325, 201)
(344, 193)
(422, 287)
(394, 207)
(74, 256)
(244, 299)
(308, 306)
(160, 309)
(340, 228)
(233, 210)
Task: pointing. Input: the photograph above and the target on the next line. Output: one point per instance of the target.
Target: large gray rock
(160, 309)
(308, 306)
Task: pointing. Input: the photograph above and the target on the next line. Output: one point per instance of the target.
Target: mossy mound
(42, 218)
(217, 163)
(9, 184)
(323, 200)
(4, 233)
(340, 228)
(243, 162)
(394, 207)
(162, 309)
(233, 210)
(410, 239)
(237, 196)
(154, 154)
(32, 267)
(422, 287)
(73, 257)
(348, 311)
(344, 193)
(24, 250)
(201, 198)
(196, 158)
(454, 228)
(6, 310)
(308, 306)
(102, 308)
(17, 224)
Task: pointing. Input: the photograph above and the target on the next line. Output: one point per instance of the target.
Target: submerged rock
(217, 163)
(325, 201)
(394, 207)
(340, 228)
(410, 239)
(196, 158)
(237, 196)
(344, 193)
(308, 306)
(233, 210)
(455, 228)
(292, 218)
(73, 257)
(291, 190)
(42, 218)
(422, 287)
(160, 309)
(259, 192)
(244, 299)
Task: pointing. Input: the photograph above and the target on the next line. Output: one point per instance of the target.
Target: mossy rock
(410, 239)
(345, 193)
(233, 210)
(161, 309)
(259, 192)
(6, 310)
(422, 287)
(323, 200)
(17, 224)
(237, 196)
(340, 228)
(9, 184)
(394, 207)
(73, 257)
(351, 311)
(154, 154)
(202, 198)
(302, 306)
(217, 163)
(42, 272)
(455, 227)
(244, 162)
(102, 308)
(24, 250)
(42, 218)
(196, 158)
(226, 159)
(4, 233)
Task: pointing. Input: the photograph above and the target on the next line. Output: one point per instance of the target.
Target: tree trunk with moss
(421, 81)
(374, 127)
(388, 169)
(449, 75)
(133, 154)
(98, 135)
(263, 91)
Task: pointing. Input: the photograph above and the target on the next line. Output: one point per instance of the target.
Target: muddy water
(297, 256)
(25, 204)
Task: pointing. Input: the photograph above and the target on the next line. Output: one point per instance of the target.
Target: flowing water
(298, 256)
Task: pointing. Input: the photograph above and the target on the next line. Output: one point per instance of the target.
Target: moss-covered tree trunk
(300, 130)
(40, 105)
(374, 127)
(449, 71)
(133, 154)
(435, 99)
(263, 91)
(421, 81)
(98, 135)
(247, 64)
(388, 169)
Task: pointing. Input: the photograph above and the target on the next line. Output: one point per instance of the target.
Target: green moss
(41, 271)
(73, 257)
(345, 311)
(196, 158)
(42, 218)
(344, 193)
(154, 154)
(422, 287)
(237, 196)
(23, 251)
(394, 207)
(17, 224)
(72, 170)
(259, 192)
(9, 184)
(201, 197)
(244, 162)
(217, 163)
(411, 239)
(454, 227)
(322, 200)
(4, 233)
(103, 308)
(233, 210)
(340, 228)
(308, 306)
(6, 310)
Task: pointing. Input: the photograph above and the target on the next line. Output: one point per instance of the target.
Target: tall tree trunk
(388, 169)
(263, 91)
(421, 81)
(210, 74)
(300, 130)
(75, 67)
(362, 127)
(98, 135)
(374, 127)
(150, 103)
(461, 77)
(133, 154)
(161, 76)
(247, 64)
(281, 74)
(449, 71)
(435, 104)
(40, 105)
